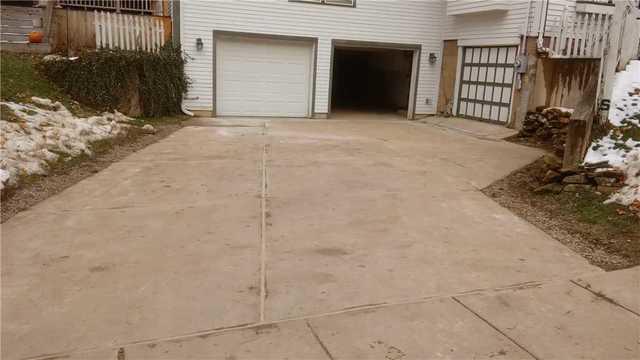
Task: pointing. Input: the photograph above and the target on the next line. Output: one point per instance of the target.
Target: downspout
(184, 110)
(524, 73)
(525, 32)
(543, 26)
(176, 37)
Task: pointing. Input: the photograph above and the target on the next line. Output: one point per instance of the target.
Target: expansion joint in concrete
(495, 327)
(317, 337)
(604, 297)
(263, 227)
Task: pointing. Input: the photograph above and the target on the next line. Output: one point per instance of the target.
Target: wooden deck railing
(576, 35)
(132, 6)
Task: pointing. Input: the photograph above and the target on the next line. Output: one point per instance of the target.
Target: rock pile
(547, 126)
(601, 180)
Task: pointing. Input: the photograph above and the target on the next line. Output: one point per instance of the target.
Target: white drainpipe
(185, 111)
(525, 31)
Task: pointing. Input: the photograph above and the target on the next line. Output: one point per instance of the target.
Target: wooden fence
(128, 32)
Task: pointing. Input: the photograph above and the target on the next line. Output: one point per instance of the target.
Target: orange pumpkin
(35, 37)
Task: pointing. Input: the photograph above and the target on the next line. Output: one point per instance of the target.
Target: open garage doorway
(371, 78)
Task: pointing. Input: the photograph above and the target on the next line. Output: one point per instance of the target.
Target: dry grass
(608, 235)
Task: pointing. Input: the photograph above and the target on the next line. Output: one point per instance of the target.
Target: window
(350, 3)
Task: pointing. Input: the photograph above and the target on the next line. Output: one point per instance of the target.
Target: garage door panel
(263, 77)
(486, 83)
(493, 55)
(502, 56)
(511, 58)
(508, 75)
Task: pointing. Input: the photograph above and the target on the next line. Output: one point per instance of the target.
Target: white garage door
(263, 77)
(486, 83)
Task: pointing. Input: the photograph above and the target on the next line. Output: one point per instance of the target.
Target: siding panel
(407, 22)
(488, 25)
(507, 24)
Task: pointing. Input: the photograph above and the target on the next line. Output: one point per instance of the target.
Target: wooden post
(165, 7)
(579, 129)
(612, 52)
(576, 139)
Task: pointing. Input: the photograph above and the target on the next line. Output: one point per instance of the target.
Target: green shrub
(106, 79)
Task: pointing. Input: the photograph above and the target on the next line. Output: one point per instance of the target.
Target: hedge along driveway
(136, 82)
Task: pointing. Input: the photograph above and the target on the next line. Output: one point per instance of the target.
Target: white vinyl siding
(494, 25)
(554, 15)
(457, 7)
(329, 2)
(404, 22)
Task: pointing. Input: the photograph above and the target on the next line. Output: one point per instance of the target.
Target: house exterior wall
(503, 26)
(404, 22)
(506, 27)
(458, 7)
(425, 23)
(488, 28)
(524, 99)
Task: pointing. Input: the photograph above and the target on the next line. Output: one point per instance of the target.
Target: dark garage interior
(376, 80)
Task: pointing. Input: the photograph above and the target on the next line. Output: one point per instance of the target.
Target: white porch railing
(636, 3)
(128, 32)
(576, 35)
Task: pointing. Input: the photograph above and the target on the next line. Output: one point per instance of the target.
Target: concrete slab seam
(495, 328)
(322, 345)
(263, 228)
(513, 287)
(604, 297)
(461, 131)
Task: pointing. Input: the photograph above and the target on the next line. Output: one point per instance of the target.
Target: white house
(310, 58)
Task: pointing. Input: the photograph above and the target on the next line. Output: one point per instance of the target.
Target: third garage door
(486, 82)
(263, 77)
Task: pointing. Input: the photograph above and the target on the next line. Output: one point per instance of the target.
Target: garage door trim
(486, 63)
(224, 34)
(415, 67)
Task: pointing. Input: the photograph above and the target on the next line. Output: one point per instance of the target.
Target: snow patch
(613, 149)
(625, 96)
(559, 109)
(610, 149)
(42, 135)
(630, 193)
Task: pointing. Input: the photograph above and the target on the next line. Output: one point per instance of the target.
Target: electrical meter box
(521, 64)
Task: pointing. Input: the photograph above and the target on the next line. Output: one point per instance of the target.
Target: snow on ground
(46, 131)
(625, 99)
(558, 108)
(611, 149)
(631, 191)
(621, 152)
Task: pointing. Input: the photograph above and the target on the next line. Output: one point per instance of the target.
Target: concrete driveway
(294, 239)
